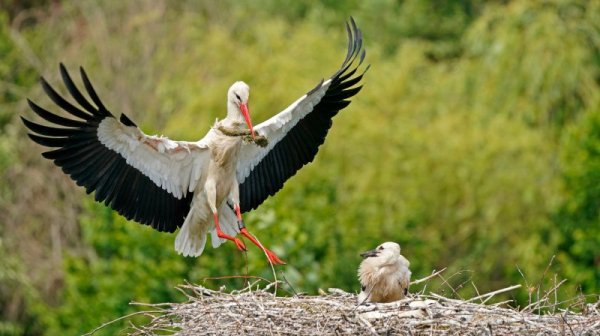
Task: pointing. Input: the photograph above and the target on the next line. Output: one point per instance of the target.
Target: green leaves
(578, 219)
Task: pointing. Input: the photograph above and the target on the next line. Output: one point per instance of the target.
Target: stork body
(384, 274)
(203, 186)
(217, 183)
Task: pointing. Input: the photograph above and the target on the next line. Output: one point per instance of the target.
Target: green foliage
(120, 263)
(10, 279)
(14, 75)
(534, 60)
(578, 219)
(15, 291)
(474, 143)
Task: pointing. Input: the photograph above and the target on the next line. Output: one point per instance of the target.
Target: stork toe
(240, 244)
(273, 258)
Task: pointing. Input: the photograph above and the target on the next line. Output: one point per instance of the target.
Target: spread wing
(148, 179)
(296, 133)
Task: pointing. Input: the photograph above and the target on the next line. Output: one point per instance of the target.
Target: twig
(475, 287)
(490, 294)
(553, 289)
(567, 323)
(544, 276)
(247, 264)
(236, 277)
(529, 291)
(245, 134)
(233, 132)
(416, 282)
(146, 312)
(162, 304)
(445, 282)
(288, 283)
(368, 325)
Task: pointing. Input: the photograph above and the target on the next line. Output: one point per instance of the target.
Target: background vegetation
(475, 144)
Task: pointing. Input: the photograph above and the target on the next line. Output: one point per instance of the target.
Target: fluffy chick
(384, 275)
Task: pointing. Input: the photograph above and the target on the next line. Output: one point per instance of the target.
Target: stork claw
(273, 259)
(240, 244)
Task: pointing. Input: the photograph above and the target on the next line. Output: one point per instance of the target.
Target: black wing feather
(82, 156)
(301, 143)
(48, 131)
(53, 118)
(76, 93)
(90, 89)
(62, 103)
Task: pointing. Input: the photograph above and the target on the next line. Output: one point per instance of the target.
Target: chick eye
(380, 248)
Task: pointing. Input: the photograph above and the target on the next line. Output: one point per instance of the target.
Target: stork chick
(383, 274)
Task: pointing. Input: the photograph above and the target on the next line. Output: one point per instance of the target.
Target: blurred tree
(121, 263)
(578, 219)
(15, 76)
(14, 8)
(16, 289)
(518, 56)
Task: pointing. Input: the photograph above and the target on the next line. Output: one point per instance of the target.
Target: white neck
(234, 115)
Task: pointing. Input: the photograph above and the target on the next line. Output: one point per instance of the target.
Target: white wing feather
(175, 166)
(275, 129)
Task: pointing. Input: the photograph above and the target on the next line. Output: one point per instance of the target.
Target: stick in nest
(245, 134)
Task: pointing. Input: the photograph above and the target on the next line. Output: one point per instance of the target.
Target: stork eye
(380, 248)
(238, 97)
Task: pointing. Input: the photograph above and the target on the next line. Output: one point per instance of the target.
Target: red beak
(244, 108)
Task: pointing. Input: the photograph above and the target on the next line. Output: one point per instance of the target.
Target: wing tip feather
(316, 88)
(126, 121)
(355, 47)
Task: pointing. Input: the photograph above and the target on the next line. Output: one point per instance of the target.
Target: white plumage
(384, 274)
(172, 165)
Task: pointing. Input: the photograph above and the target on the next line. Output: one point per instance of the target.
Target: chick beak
(368, 254)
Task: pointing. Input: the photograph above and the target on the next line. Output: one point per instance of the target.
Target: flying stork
(201, 186)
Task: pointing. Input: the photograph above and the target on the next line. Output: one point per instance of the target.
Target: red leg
(240, 244)
(273, 259)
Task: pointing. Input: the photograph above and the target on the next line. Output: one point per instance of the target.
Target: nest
(254, 311)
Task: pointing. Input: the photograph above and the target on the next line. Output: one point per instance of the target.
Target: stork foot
(240, 244)
(273, 258)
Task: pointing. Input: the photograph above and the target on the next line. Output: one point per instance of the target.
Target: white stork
(384, 274)
(201, 186)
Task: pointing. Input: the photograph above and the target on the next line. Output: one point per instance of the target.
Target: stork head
(237, 102)
(386, 253)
